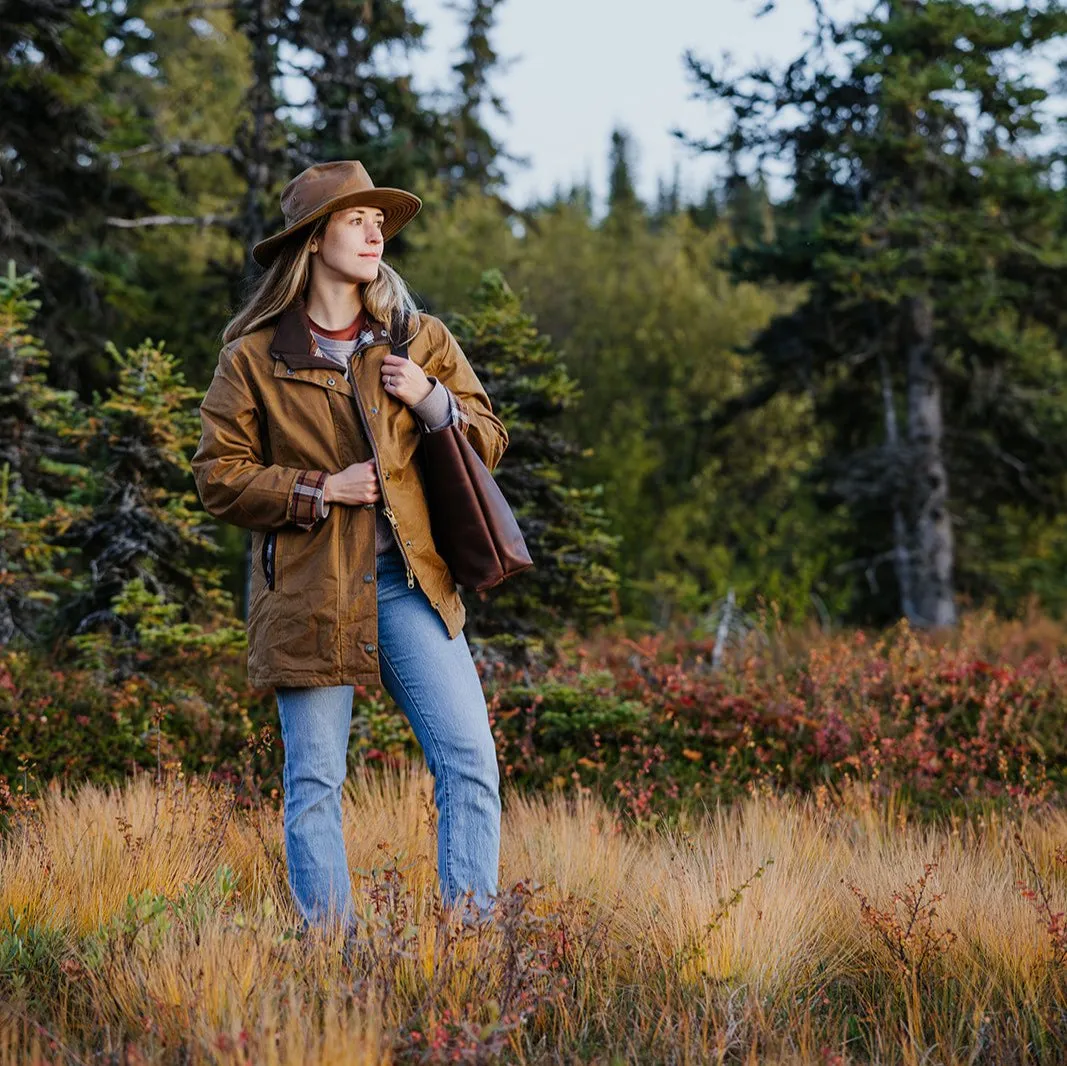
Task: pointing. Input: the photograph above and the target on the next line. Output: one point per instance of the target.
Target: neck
(334, 305)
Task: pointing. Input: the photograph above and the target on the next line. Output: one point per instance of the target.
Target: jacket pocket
(269, 552)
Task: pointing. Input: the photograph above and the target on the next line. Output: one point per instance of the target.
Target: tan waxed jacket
(276, 419)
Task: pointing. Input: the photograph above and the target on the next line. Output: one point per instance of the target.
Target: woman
(310, 429)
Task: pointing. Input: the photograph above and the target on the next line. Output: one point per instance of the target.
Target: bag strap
(400, 329)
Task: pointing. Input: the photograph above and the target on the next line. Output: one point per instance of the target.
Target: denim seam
(441, 761)
(286, 779)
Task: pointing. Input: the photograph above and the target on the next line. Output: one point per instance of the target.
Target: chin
(366, 273)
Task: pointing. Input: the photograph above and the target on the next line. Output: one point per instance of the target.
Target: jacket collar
(293, 342)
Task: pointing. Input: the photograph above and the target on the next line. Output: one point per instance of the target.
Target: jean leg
(315, 724)
(434, 681)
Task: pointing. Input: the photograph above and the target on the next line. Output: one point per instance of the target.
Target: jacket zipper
(386, 510)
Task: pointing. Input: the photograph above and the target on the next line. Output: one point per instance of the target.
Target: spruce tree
(33, 474)
(564, 526)
(56, 187)
(471, 155)
(623, 202)
(930, 237)
(142, 587)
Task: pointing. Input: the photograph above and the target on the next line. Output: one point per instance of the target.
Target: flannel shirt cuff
(306, 505)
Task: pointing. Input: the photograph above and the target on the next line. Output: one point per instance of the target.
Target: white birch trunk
(932, 539)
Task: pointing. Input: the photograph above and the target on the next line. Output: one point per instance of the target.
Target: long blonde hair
(287, 278)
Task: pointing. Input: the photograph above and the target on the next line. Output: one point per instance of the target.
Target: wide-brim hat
(327, 187)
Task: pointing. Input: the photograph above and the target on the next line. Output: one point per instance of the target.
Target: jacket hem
(313, 678)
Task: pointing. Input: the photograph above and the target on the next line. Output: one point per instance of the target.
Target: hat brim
(398, 206)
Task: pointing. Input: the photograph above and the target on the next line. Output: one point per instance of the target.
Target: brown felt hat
(327, 187)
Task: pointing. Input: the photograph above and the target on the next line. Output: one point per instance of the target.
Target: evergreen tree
(707, 212)
(649, 322)
(31, 466)
(564, 526)
(623, 202)
(56, 189)
(358, 106)
(930, 238)
(142, 587)
(361, 107)
(98, 538)
(472, 156)
(747, 207)
(668, 198)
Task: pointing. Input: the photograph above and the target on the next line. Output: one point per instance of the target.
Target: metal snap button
(408, 543)
(329, 381)
(384, 334)
(374, 410)
(290, 370)
(368, 577)
(387, 475)
(368, 648)
(368, 507)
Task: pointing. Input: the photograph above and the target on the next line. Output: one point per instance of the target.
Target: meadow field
(867, 918)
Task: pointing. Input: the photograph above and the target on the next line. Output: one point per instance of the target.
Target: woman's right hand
(357, 483)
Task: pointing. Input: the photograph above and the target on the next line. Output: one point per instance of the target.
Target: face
(350, 248)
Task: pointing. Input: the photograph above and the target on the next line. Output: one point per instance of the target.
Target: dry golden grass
(631, 949)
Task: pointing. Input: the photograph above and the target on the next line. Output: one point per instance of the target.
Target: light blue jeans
(434, 681)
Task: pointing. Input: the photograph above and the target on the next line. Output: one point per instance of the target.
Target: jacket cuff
(436, 410)
(306, 502)
(461, 413)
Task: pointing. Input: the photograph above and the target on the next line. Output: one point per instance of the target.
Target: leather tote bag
(473, 527)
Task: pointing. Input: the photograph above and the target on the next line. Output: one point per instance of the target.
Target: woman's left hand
(404, 379)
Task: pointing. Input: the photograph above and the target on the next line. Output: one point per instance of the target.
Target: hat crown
(319, 184)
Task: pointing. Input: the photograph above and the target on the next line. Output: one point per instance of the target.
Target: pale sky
(581, 66)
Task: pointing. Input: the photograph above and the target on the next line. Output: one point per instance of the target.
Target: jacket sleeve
(477, 422)
(234, 483)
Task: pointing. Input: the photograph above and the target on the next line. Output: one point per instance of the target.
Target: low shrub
(646, 722)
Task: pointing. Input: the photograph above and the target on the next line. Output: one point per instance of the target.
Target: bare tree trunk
(933, 552)
(901, 555)
(257, 174)
(261, 100)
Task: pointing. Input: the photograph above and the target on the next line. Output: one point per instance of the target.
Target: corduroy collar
(293, 342)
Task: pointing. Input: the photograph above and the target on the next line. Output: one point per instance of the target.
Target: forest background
(842, 407)
(791, 470)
